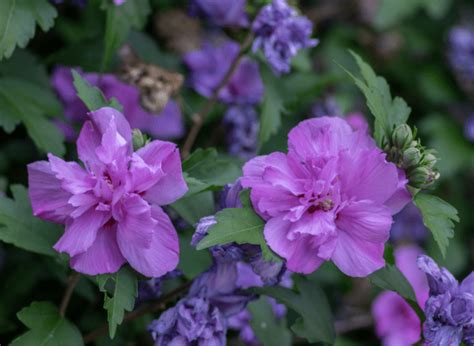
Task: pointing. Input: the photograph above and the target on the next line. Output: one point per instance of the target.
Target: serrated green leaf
(194, 207)
(315, 322)
(122, 299)
(239, 225)
(120, 20)
(48, 328)
(19, 227)
(439, 217)
(269, 330)
(18, 19)
(192, 262)
(272, 107)
(25, 66)
(387, 112)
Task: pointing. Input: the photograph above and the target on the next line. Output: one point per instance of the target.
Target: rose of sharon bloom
(331, 197)
(222, 12)
(111, 207)
(166, 125)
(396, 322)
(209, 66)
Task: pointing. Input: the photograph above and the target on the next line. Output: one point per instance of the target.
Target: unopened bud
(402, 136)
(429, 159)
(411, 157)
(138, 139)
(422, 177)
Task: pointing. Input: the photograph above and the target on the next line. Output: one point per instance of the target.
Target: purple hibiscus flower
(449, 309)
(111, 207)
(396, 323)
(280, 33)
(166, 125)
(331, 197)
(242, 126)
(222, 12)
(209, 66)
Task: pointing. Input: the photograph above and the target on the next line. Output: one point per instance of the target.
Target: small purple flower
(209, 66)
(193, 321)
(166, 125)
(461, 51)
(450, 308)
(280, 33)
(222, 12)
(242, 126)
(469, 128)
(230, 196)
(327, 106)
(408, 226)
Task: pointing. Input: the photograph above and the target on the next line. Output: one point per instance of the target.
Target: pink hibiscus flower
(331, 197)
(111, 206)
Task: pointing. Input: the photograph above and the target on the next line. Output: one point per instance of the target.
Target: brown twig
(160, 304)
(72, 282)
(200, 117)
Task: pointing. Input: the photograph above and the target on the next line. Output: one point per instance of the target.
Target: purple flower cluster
(449, 309)
(221, 12)
(166, 125)
(209, 66)
(280, 33)
(242, 126)
(461, 51)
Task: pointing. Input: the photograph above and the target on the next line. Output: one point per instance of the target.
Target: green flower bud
(411, 157)
(138, 139)
(422, 177)
(402, 136)
(429, 159)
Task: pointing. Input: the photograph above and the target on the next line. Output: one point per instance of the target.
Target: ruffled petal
(135, 224)
(142, 176)
(366, 221)
(73, 177)
(81, 232)
(163, 254)
(357, 257)
(48, 199)
(401, 197)
(88, 141)
(172, 185)
(102, 257)
(103, 117)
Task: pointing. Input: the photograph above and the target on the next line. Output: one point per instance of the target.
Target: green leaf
(388, 112)
(47, 327)
(438, 217)
(208, 167)
(315, 322)
(272, 107)
(239, 225)
(26, 66)
(91, 95)
(120, 20)
(192, 262)
(392, 279)
(122, 299)
(18, 19)
(194, 207)
(19, 227)
(31, 104)
(268, 329)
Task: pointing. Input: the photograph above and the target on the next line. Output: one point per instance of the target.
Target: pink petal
(368, 175)
(300, 256)
(88, 141)
(73, 177)
(136, 224)
(142, 176)
(81, 232)
(102, 257)
(357, 257)
(113, 147)
(366, 221)
(401, 196)
(103, 117)
(48, 199)
(172, 186)
(318, 224)
(320, 137)
(163, 254)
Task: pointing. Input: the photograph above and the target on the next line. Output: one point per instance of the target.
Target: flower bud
(402, 136)
(429, 159)
(411, 157)
(138, 139)
(422, 177)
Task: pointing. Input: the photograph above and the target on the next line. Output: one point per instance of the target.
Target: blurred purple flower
(151, 289)
(408, 226)
(221, 12)
(469, 128)
(80, 3)
(166, 125)
(461, 51)
(326, 106)
(230, 196)
(209, 66)
(242, 126)
(280, 33)
(449, 309)
(396, 322)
